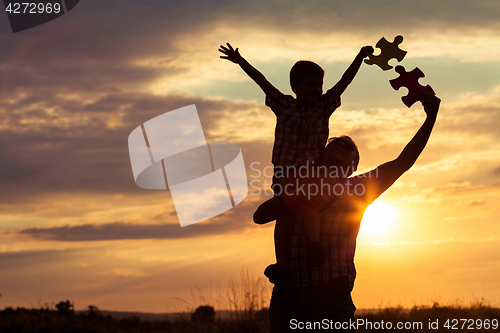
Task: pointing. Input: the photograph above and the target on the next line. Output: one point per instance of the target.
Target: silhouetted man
(319, 297)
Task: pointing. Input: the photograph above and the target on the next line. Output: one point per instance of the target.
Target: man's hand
(231, 54)
(430, 103)
(366, 51)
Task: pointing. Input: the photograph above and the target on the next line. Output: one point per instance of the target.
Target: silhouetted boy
(300, 137)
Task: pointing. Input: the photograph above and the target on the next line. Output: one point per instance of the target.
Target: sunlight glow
(380, 219)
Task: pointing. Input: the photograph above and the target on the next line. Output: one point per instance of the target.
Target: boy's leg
(275, 209)
(312, 224)
(277, 273)
(281, 230)
(316, 254)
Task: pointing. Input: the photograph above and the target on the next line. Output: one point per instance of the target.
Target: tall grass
(249, 294)
(241, 298)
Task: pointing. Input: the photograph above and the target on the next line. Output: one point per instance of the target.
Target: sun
(379, 220)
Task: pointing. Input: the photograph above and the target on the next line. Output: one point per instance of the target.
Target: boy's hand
(234, 56)
(231, 54)
(366, 51)
(430, 103)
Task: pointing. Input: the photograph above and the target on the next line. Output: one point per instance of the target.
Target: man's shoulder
(370, 185)
(361, 188)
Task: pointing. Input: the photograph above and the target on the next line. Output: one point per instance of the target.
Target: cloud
(138, 276)
(454, 188)
(481, 111)
(134, 43)
(236, 220)
(435, 241)
(14, 171)
(453, 193)
(128, 16)
(106, 231)
(125, 272)
(82, 147)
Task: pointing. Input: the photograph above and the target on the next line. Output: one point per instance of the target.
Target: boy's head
(306, 80)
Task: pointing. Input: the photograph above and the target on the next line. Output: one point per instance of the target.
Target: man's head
(341, 152)
(306, 80)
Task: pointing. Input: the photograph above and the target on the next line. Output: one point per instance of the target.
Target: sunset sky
(74, 225)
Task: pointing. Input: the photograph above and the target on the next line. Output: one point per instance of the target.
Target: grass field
(476, 318)
(245, 303)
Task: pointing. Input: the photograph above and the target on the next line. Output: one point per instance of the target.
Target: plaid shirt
(341, 215)
(301, 132)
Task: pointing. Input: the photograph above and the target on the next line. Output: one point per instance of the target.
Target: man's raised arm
(234, 56)
(411, 152)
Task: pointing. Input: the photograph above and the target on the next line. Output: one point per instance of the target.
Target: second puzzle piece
(410, 81)
(387, 52)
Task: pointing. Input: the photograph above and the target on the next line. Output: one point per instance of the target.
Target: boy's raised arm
(351, 72)
(234, 56)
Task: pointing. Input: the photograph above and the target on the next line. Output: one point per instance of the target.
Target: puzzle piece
(410, 81)
(387, 52)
